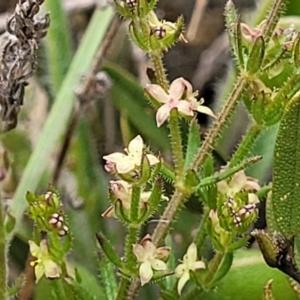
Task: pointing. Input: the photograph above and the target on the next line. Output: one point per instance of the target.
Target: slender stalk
(213, 267)
(159, 70)
(131, 239)
(135, 203)
(246, 145)
(176, 145)
(272, 19)
(192, 294)
(163, 226)
(218, 125)
(123, 286)
(2, 255)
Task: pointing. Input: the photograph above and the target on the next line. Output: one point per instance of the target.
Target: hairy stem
(159, 70)
(123, 286)
(165, 221)
(218, 125)
(213, 267)
(176, 144)
(272, 19)
(131, 239)
(246, 144)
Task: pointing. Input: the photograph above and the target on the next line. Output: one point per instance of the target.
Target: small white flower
(43, 265)
(150, 258)
(180, 96)
(190, 262)
(124, 163)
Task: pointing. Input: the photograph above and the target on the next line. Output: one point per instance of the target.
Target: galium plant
(146, 189)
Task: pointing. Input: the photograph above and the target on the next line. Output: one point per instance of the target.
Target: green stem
(123, 287)
(201, 234)
(222, 118)
(165, 221)
(131, 239)
(213, 267)
(176, 145)
(159, 70)
(272, 19)
(2, 255)
(246, 145)
(135, 203)
(193, 294)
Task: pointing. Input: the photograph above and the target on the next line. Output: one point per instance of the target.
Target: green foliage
(286, 176)
(162, 187)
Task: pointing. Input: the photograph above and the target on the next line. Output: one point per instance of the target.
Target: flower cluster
(236, 208)
(179, 96)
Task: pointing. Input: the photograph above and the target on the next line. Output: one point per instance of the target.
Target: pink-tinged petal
(149, 249)
(51, 269)
(139, 251)
(189, 88)
(146, 272)
(162, 114)
(162, 252)
(205, 110)
(157, 92)
(238, 181)
(153, 160)
(182, 281)
(115, 157)
(199, 265)
(184, 107)
(135, 147)
(179, 270)
(177, 88)
(158, 265)
(120, 188)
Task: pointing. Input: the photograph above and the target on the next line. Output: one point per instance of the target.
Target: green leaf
(58, 53)
(246, 280)
(286, 173)
(224, 267)
(129, 97)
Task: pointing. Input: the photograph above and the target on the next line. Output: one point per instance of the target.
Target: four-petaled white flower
(190, 263)
(180, 96)
(150, 258)
(125, 163)
(43, 265)
(239, 182)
